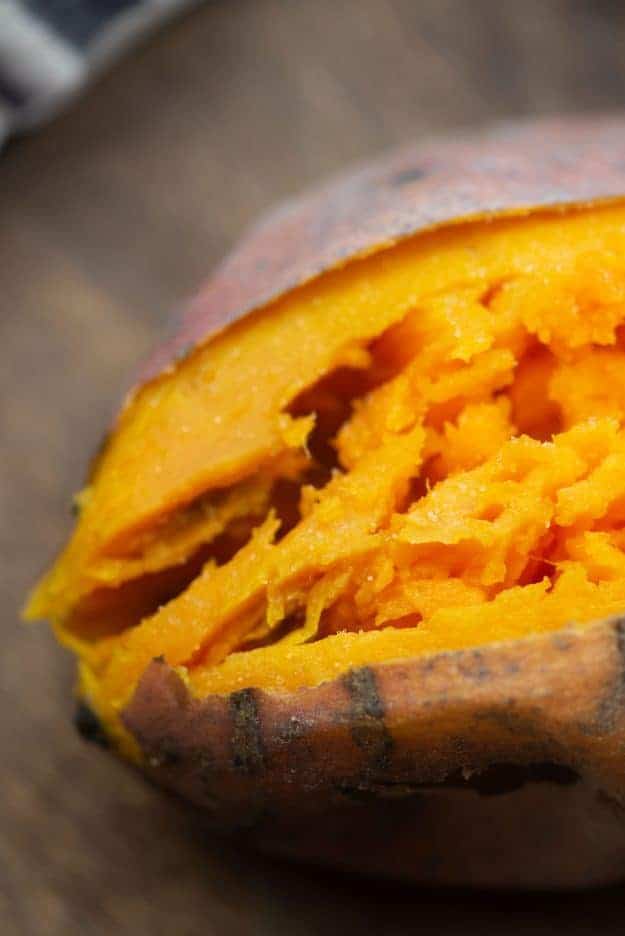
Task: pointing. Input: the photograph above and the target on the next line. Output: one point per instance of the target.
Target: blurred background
(110, 215)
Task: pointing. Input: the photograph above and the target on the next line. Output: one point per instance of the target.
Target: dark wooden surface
(108, 218)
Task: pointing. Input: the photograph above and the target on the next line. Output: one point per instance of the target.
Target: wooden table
(108, 218)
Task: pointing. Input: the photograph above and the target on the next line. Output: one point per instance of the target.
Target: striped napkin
(49, 49)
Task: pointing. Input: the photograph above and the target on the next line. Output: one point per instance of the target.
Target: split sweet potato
(349, 570)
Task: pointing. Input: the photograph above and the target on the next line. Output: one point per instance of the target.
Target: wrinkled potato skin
(381, 770)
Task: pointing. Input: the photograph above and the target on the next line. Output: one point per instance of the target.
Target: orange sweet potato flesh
(421, 451)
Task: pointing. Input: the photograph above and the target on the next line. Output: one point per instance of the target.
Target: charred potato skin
(500, 766)
(382, 770)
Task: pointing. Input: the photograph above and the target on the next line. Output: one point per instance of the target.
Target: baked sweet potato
(349, 570)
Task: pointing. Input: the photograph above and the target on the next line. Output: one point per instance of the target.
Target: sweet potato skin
(383, 769)
(501, 766)
(511, 168)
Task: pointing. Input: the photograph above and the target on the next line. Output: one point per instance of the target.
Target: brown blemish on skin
(619, 629)
(247, 743)
(496, 779)
(293, 730)
(476, 667)
(367, 718)
(613, 702)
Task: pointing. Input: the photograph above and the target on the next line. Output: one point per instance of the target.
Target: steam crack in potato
(419, 452)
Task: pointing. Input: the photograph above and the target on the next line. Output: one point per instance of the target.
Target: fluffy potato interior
(421, 451)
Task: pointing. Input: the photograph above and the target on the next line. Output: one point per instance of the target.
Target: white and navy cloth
(49, 49)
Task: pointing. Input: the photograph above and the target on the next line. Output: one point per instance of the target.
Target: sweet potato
(349, 572)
